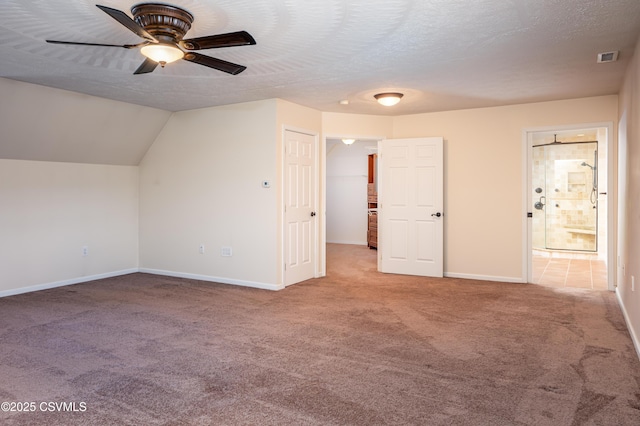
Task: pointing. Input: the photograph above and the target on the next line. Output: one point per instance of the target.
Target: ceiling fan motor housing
(165, 22)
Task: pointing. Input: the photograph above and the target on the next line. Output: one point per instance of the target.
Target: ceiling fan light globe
(162, 53)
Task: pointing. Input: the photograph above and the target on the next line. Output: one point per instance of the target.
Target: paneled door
(300, 239)
(410, 206)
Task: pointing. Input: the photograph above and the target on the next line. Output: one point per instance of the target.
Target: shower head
(588, 165)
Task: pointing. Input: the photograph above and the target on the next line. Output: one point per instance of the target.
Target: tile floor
(554, 269)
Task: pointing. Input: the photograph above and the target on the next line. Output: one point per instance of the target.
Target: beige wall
(49, 211)
(200, 183)
(484, 177)
(356, 125)
(629, 198)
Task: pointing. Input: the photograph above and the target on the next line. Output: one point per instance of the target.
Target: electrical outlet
(633, 283)
(201, 249)
(85, 251)
(226, 251)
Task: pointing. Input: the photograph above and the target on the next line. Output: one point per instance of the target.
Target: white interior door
(300, 207)
(410, 204)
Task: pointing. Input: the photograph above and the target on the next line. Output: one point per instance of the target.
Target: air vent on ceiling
(607, 57)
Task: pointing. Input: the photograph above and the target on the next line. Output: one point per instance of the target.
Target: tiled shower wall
(568, 220)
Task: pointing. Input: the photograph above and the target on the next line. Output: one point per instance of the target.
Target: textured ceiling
(443, 54)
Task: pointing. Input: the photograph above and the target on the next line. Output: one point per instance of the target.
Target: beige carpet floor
(355, 348)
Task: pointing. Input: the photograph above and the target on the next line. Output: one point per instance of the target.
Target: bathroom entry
(568, 207)
(565, 197)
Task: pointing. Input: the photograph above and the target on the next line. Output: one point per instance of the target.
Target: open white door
(410, 204)
(300, 202)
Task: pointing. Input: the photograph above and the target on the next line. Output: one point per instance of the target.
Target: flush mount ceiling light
(388, 99)
(162, 53)
(348, 141)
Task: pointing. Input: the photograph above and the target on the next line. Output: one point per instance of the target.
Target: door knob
(313, 214)
(437, 214)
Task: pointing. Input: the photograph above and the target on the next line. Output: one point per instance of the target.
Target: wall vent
(607, 57)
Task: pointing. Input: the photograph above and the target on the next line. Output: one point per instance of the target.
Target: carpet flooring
(354, 348)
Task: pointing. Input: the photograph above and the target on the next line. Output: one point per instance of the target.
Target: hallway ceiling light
(348, 141)
(388, 99)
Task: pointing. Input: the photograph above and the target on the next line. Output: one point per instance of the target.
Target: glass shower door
(565, 196)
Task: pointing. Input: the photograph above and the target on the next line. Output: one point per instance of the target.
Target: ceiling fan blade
(239, 38)
(125, 20)
(126, 46)
(215, 63)
(147, 66)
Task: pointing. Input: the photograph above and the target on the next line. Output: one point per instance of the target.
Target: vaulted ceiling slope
(46, 124)
(443, 54)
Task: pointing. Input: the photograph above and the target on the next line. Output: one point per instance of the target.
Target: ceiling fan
(163, 27)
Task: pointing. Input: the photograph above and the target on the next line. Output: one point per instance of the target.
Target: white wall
(49, 211)
(484, 177)
(629, 198)
(347, 169)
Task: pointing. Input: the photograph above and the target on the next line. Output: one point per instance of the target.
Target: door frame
(316, 257)
(322, 207)
(527, 227)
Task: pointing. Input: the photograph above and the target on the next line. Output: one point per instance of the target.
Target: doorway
(413, 241)
(344, 191)
(568, 183)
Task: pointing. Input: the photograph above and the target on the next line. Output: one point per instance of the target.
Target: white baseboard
(632, 331)
(79, 280)
(485, 277)
(264, 286)
(355, 243)
(62, 283)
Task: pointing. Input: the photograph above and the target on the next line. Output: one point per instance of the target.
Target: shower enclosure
(565, 196)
